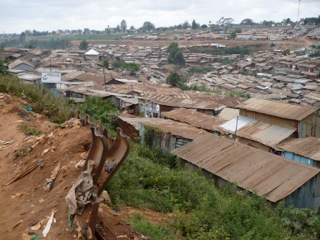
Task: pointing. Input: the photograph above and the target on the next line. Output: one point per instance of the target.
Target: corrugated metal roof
(236, 123)
(92, 52)
(165, 94)
(262, 173)
(265, 133)
(194, 118)
(228, 113)
(168, 126)
(306, 147)
(278, 109)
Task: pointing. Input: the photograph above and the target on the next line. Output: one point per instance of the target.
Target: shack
(167, 134)
(303, 118)
(262, 173)
(304, 150)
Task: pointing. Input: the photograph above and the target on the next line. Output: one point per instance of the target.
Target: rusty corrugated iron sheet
(306, 147)
(168, 95)
(265, 133)
(278, 109)
(194, 118)
(262, 173)
(228, 113)
(168, 126)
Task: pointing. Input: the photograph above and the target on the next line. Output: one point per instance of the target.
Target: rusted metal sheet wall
(207, 112)
(245, 166)
(317, 124)
(308, 127)
(269, 119)
(253, 144)
(164, 141)
(129, 130)
(164, 108)
(308, 195)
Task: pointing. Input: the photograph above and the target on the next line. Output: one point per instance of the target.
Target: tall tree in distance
(225, 23)
(123, 25)
(22, 37)
(175, 55)
(147, 26)
(248, 22)
(83, 45)
(195, 25)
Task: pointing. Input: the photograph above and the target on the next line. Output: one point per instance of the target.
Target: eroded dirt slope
(24, 201)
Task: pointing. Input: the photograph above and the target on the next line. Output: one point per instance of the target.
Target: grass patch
(40, 99)
(29, 130)
(154, 231)
(21, 151)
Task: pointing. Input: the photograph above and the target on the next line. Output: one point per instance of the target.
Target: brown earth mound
(26, 164)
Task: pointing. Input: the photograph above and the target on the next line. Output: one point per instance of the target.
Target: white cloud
(17, 15)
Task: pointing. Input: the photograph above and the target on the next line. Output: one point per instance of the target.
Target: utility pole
(298, 12)
(104, 78)
(235, 132)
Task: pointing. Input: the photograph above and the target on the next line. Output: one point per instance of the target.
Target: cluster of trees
(53, 43)
(175, 55)
(312, 20)
(242, 50)
(132, 67)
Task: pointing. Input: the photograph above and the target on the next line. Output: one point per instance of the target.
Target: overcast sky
(19, 15)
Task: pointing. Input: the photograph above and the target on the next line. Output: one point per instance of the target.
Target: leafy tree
(247, 21)
(4, 67)
(194, 25)
(185, 25)
(175, 55)
(83, 45)
(268, 23)
(174, 79)
(86, 31)
(123, 25)
(233, 35)
(173, 47)
(132, 29)
(226, 23)
(147, 26)
(22, 37)
(106, 64)
(204, 26)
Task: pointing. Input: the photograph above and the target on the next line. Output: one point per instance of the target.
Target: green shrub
(101, 110)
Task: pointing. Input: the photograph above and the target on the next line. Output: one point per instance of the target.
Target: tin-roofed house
(255, 133)
(166, 134)
(21, 65)
(92, 55)
(262, 173)
(304, 150)
(306, 120)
